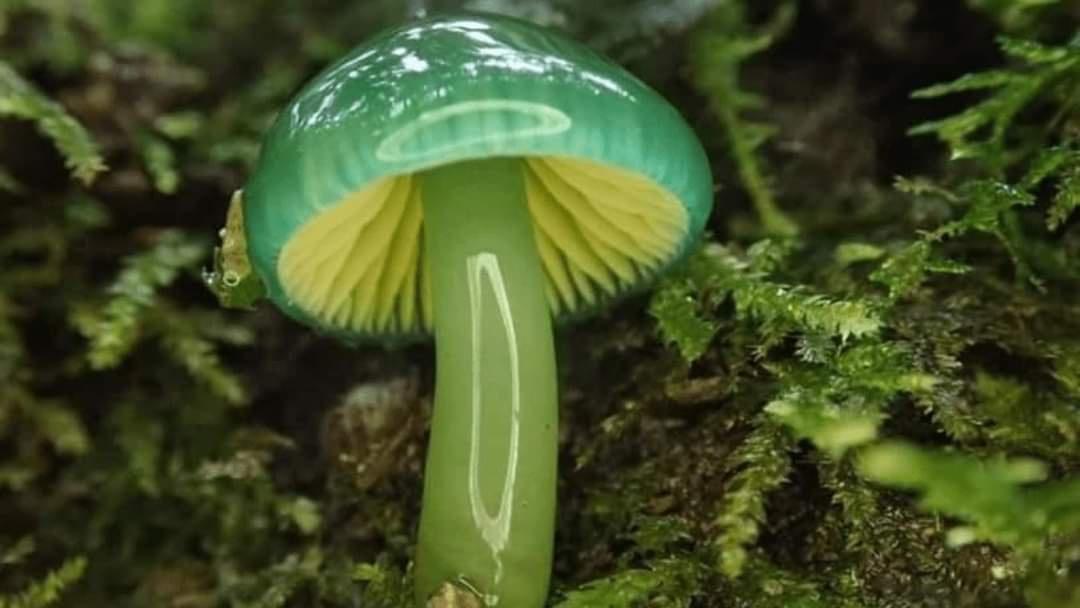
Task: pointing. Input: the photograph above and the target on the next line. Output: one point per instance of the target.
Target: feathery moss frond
(779, 308)
(779, 588)
(1023, 421)
(759, 466)
(980, 131)
(18, 98)
(684, 303)
(905, 271)
(831, 427)
(48, 592)
(840, 402)
(720, 47)
(680, 320)
(665, 582)
(185, 343)
(160, 162)
(1000, 499)
(113, 329)
(1067, 197)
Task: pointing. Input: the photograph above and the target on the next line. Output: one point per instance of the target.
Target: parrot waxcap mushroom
(474, 177)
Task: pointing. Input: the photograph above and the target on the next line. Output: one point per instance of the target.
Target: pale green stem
(489, 486)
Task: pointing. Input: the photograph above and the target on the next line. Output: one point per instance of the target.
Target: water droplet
(210, 278)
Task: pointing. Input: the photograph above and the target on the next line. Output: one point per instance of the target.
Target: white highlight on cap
(544, 121)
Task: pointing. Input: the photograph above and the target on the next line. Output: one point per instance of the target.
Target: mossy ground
(863, 392)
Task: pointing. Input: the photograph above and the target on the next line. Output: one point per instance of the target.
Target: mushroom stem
(489, 487)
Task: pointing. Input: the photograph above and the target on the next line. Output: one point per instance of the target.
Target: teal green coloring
(454, 88)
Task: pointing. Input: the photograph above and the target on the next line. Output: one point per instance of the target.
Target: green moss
(48, 591)
(20, 99)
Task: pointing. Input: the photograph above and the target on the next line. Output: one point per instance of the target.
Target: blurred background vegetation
(863, 392)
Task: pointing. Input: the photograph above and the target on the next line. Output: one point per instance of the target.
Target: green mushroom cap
(617, 184)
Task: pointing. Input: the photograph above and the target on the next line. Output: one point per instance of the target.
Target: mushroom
(474, 177)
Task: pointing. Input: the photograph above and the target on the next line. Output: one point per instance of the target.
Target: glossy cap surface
(462, 87)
